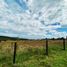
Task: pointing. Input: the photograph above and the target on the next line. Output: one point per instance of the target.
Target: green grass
(34, 57)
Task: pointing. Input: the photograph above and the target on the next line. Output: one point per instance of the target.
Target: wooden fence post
(46, 46)
(0, 41)
(14, 56)
(63, 43)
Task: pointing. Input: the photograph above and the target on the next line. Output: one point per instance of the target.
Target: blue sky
(33, 19)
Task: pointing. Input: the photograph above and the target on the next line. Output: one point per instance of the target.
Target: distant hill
(11, 38)
(17, 38)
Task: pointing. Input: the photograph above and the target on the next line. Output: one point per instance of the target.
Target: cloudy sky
(33, 19)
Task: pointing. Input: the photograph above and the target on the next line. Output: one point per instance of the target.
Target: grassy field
(32, 54)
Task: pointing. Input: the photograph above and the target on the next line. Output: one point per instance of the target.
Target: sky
(33, 19)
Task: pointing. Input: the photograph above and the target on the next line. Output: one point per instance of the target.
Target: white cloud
(25, 22)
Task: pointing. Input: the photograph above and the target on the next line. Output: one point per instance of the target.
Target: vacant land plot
(31, 53)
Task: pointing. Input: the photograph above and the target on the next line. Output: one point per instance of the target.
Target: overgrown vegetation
(32, 56)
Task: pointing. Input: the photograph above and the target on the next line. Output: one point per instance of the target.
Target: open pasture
(31, 53)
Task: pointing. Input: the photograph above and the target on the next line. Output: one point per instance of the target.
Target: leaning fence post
(46, 46)
(14, 56)
(63, 43)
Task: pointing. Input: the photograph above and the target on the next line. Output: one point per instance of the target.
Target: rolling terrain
(31, 53)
